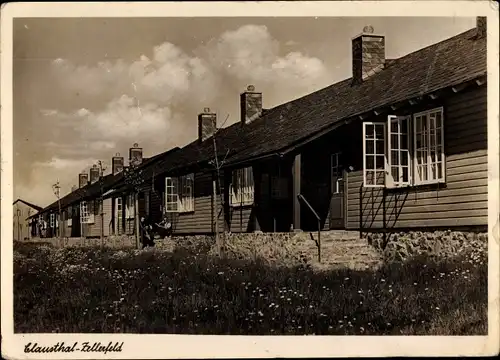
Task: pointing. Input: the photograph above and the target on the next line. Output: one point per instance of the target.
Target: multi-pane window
(242, 187)
(171, 194)
(118, 214)
(129, 206)
(336, 169)
(428, 147)
(52, 220)
(86, 217)
(179, 193)
(412, 155)
(186, 199)
(374, 156)
(398, 160)
(69, 215)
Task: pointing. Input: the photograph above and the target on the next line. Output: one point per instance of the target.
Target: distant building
(22, 211)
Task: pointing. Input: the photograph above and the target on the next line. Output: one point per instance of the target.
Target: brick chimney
(135, 155)
(251, 105)
(94, 174)
(207, 124)
(368, 54)
(83, 179)
(480, 27)
(117, 163)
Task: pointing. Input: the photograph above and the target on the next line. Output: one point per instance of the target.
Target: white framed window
(171, 194)
(242, 187)
(129, 206)
(52, 220)
(86, 217)
(398, 159)
(428, 147)
(412, 155)
(374, 157)
(179, 193)
(118, 214)
(186, 199)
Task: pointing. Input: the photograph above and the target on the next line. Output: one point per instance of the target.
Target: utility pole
(57, 188)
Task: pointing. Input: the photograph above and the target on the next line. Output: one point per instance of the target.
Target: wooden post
(319, 241)
(296, 172)
(216, 220)
(136, 219)
(102, 222)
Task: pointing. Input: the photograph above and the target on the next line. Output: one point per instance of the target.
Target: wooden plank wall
(201, 220)
(463, 201)
(108, 215)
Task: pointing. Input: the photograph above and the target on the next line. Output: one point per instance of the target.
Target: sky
(88, 88)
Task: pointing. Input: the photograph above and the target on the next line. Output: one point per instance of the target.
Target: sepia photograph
(265, 175)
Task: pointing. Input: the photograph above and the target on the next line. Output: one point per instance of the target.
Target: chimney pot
(117, 163)
(83, 179)
(135, 155)
(480, 27)
(207, 124)
(94, 174)
(250, 105)
(368, 54)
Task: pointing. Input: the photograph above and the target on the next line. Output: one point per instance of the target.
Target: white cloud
(124, 119)
(250, 53)
(167, 78)
(58, 163)
(49, 112)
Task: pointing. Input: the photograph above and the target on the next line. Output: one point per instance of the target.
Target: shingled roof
(448, 63)
(442, 65)
(90, 191)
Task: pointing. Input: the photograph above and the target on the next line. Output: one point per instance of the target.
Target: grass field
(131, 291)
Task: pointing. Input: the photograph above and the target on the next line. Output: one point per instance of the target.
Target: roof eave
(479, 80)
